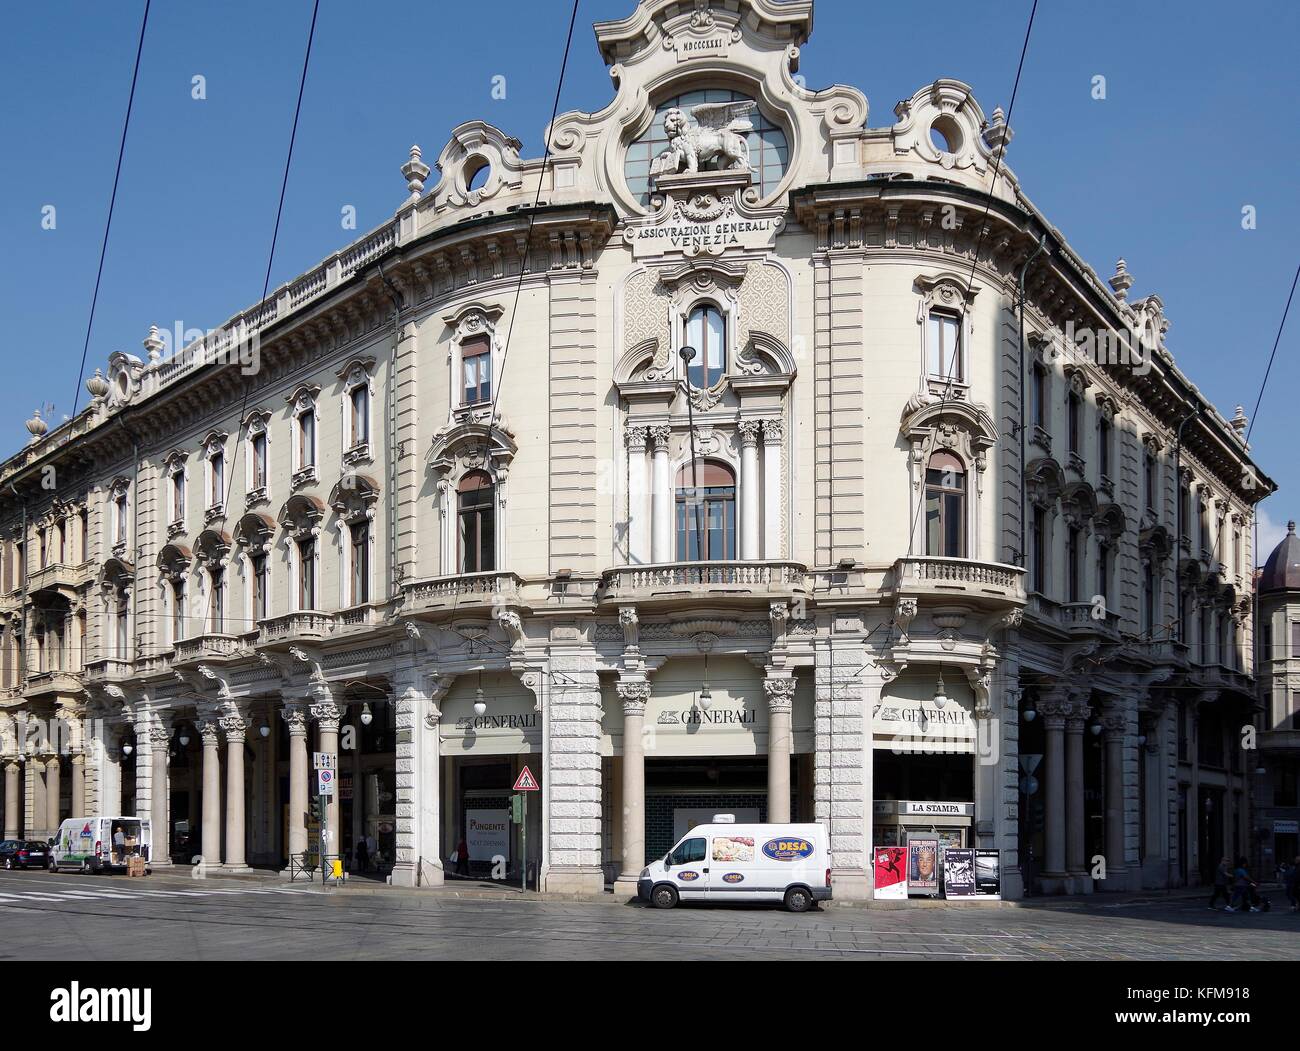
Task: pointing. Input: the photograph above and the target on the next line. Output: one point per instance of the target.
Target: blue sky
(1198, 122)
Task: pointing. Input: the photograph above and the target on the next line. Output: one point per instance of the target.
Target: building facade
(925, 514)
(1276, 838)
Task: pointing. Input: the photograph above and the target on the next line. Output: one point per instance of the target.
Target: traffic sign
(525, 782)
(325, 782)
(324, 761)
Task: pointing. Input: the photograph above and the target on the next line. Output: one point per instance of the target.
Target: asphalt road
(72, 917)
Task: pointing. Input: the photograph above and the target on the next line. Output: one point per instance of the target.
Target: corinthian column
(53, 769)
(638, 524)
(328, 715)
(12, 770)
(661, 549)
(78, 760)
(210, 733)
(1075, 815)
(749, 487)
(160, 789)
(1114, 724)
(633, 693)
(780, 701)
(773, 512)
(295, 720)
(235, 727)
(1054, 707)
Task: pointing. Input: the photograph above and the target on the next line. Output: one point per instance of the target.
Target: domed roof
(1282, 570)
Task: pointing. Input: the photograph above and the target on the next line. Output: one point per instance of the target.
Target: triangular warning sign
(525, 782)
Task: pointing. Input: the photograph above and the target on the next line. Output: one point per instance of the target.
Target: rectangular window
(943, 347)
(1038, 392)
(123, 620)
(1184, 511)
(217, 477)
(43, 552)
(307, 439)
(1148, 599)
(1073, 557)
(1103, 574)
(260, 583)
(259, 461)
(1149, 481)
(119, 519)
(178, 496)
(307, 574)
(360, 563)
(476, 363)
(1103, 446)
(1295, 639)
(178, 611)
(218, 621)
(360, 414)
(1075, 424)
(1038, 550)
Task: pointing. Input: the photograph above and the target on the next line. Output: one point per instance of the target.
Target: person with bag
(1243, 890)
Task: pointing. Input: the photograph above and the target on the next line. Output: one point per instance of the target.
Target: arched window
(945, 506)
(706, 331)
(706, 513)
(476, 522)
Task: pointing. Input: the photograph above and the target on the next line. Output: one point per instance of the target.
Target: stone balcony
(678, 583)
(293, 628)
(477, 593)
(360, 618)
(1080, 618)
(206, 648)
(59, 577)
(51, 684)
(107, 669)
(960, 580)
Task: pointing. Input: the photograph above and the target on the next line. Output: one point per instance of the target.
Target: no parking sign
(325, 782)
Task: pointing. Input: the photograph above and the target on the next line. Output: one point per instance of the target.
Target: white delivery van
(91, 844)
(724, 861)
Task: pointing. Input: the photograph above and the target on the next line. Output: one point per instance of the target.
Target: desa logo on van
(787, 849)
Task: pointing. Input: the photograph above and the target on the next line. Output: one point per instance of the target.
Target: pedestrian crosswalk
(25, 893)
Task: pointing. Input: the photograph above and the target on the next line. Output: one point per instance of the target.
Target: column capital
(327, 714)
(209, 730)
(1114, 723)
(780, 693)
(295, 719)
(634, 693)
(748, 431)
(636, 435)
(773, 431)
(234, 726)
(159, 735)
(660, 434)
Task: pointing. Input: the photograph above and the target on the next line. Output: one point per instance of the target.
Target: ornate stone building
(469, 507)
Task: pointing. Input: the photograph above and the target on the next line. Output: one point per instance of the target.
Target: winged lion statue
(712, 139)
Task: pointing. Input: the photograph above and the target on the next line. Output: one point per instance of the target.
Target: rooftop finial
(1121, 281)
(1238, 422)
(415, 171)
(1290, 527)
(998, 133)
(154, 345)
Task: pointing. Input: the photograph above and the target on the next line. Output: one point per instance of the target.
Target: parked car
(24, 854)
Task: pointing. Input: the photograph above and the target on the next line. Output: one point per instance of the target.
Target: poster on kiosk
(891, 873)
(922, 865)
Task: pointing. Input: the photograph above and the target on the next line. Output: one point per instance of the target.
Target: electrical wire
(112, 201)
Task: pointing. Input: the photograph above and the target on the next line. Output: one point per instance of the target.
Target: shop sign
(959, 873)
(911, 718)
(487, 834)
(891, 873)
(528, 721)
(787, 849)
(713, 717)
(921, 807)
(1285, 828)
(988, 874)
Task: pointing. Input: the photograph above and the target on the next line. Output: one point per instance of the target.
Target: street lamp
(127, 748)
(366, 716)
(264, 729)
(480, 705)
(706, 695)
(940, 697)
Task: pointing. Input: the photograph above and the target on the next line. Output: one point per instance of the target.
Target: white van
(87, 844)
(724, 861)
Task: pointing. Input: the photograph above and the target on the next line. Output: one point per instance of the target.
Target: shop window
(476, 364)
(476, 522)
(706, 500)
(706, 331)
(944, 359)
(945, 506)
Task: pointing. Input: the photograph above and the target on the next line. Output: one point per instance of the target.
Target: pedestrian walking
(363, 855)
(462, 858)
(1222, 881)
(1243, 889)
(1292, 884)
